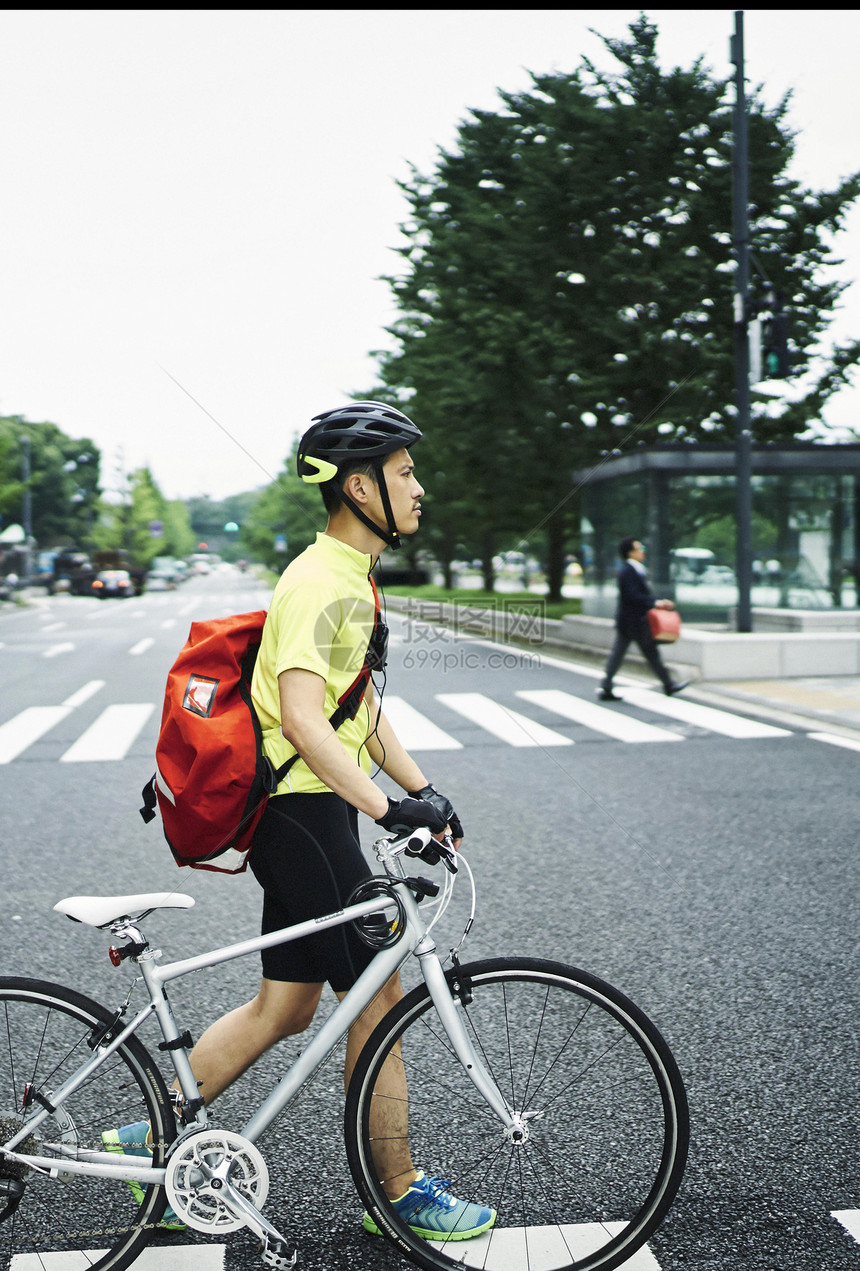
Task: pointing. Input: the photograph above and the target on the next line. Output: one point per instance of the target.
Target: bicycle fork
(449, 1007)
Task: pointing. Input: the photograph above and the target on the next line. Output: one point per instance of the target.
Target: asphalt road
(711, 876)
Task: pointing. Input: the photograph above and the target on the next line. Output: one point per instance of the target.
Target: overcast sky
(209, 198)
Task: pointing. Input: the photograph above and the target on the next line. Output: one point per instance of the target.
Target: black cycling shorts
(307, 858)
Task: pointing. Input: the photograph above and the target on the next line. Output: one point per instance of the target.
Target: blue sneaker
(434, 1214)
(131, 1140)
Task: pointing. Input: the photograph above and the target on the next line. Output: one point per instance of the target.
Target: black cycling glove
(432, 796)
(412, 814)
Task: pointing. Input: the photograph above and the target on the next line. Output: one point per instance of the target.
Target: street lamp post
(740, 235)
(27, 508)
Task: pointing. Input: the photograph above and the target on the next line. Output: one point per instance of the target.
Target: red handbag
(665, 625)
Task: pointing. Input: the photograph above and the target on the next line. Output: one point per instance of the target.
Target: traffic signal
(776, 363)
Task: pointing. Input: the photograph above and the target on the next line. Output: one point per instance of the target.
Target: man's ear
(358, 485)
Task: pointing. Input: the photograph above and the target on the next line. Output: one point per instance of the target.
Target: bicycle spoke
(601, 1138)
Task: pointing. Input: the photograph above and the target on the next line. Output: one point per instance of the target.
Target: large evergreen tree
(567, 290)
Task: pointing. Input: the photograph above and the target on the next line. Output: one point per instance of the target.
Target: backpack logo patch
(199, 696)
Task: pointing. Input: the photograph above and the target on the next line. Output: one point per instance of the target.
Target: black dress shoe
(606, 695)
(676, 688)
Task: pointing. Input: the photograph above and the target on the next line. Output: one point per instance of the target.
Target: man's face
(403, 491)
(637, 552)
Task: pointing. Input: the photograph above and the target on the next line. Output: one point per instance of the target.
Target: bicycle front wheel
(605, 1123)
(46, 1033)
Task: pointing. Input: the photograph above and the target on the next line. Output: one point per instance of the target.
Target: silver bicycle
(537, 1089)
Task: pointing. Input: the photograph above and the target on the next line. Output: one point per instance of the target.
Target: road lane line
(84, 694)
(110, 736)
(56, 649)
(834, 740)
(612, 723)
(716, 721)
(414, 730)
(21, 731)
(142, 645)
(171, 622)
(508, 725)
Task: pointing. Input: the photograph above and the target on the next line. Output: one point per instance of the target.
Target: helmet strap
(391, 535)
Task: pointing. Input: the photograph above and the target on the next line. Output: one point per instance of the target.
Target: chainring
(196, 1197)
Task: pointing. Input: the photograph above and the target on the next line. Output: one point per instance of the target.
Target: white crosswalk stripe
(715, 721)
(18, 734)
(850, 1219)
(508, 725)
(414, 730)
(834, 739)
(612, 723)
(111, 735)
(175, 1257)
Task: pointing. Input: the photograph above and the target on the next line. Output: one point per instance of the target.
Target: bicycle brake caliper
(461, 984)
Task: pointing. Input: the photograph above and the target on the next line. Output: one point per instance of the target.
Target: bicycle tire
(46, 1032)
(605, 1155)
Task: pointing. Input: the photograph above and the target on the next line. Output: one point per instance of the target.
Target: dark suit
(635, 598)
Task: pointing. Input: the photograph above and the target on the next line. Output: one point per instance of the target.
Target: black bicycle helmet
(361, 430)
(352, 434)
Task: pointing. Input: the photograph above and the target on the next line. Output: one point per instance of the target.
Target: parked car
(113, 582)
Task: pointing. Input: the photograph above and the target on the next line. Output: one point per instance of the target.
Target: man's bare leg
(389, 1113)
(233, 1043)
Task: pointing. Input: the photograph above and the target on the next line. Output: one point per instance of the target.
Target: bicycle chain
(10, 1171)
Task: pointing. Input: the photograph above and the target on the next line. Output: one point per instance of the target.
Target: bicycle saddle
(100, 911)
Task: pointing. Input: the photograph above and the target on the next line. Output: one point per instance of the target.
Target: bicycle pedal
(275, 1253)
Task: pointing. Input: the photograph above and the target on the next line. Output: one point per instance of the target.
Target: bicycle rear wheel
(605, 1143)
(46, 1033)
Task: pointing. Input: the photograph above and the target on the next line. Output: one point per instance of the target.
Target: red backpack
(212, 780)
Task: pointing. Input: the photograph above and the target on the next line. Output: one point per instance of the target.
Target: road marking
(508, 725)
(56, 649)
(19, 733)
(171, 622)
(548, 1246)
(84, 694)
(716, 721)
(110, 736)
(850, 1219)
(142, 645)
(833, 740)
(164, 1258)
(414, 730)
(53, 626)
(612, 723)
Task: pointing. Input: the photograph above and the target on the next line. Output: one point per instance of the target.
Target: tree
(567, 290)
(142, 522)
(287, 509)
(64, 480)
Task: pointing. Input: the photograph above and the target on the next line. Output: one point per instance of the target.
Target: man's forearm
(319, 747)
(386, 750)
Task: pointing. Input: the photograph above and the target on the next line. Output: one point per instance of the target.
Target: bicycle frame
(415, 939)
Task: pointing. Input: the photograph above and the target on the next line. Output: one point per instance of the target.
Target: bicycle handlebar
(420, 842)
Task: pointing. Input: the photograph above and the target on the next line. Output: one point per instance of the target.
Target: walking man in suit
(635, 598)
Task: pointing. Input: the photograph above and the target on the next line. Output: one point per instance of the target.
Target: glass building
(680, 501)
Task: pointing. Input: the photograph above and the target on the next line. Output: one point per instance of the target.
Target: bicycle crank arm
(274, 1250)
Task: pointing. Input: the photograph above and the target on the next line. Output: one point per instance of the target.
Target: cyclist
(319, 632)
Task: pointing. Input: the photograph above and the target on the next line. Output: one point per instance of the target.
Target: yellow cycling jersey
(321, 620)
